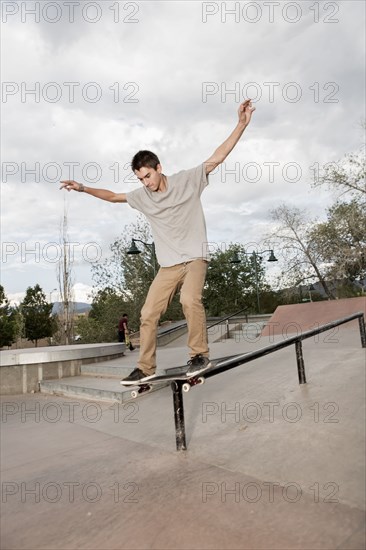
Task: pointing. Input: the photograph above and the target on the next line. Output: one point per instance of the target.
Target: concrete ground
(270, 464)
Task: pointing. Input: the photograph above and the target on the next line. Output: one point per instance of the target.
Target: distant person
(123, 332)
(172, 205)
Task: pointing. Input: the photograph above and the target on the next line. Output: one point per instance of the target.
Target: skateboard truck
(194, 381)
(143, 388)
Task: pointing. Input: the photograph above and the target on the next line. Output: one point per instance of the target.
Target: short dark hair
(144, 158)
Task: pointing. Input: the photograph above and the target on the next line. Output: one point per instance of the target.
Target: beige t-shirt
(176, 216)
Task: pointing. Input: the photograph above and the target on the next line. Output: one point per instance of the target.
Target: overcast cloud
(170, 77)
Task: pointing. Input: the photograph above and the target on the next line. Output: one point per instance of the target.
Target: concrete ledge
(165, 338)
(22, 370)
(59, 353)
(92, 389)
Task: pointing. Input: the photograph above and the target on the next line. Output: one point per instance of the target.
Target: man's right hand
(104, 194)
(70, 185)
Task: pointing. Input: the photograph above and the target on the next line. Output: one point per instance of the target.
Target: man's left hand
(245, 111)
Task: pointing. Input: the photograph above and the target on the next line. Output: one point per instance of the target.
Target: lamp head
(236, 259)
(272, 257)
(133, 248)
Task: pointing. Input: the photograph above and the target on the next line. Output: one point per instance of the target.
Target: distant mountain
(78, 307)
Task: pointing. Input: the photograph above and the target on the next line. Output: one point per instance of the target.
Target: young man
(172, 206)
(123, 332)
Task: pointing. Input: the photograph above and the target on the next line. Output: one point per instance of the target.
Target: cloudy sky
(87, 84)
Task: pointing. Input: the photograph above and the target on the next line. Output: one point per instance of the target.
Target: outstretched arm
(245, 114)
(104, 194)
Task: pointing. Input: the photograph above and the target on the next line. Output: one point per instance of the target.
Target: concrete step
(87, 387)
(245, 331)
(106, 371)
(239, 331)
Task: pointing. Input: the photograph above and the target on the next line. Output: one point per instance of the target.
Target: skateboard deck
(189, 381)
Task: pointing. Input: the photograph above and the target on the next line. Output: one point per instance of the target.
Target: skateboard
(189, 381)
(128, 343)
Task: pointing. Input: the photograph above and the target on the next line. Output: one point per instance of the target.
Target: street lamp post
(52, 291)
(311, 289)
(134, 250)
(255, 255)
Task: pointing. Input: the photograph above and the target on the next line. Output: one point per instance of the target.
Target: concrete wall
(165, 338)
(22, 370)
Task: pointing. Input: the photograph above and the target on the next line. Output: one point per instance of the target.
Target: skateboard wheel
(134, 394)
(186, 387)
(201, 380)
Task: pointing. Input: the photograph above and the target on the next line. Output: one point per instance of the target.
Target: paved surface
(270, 464)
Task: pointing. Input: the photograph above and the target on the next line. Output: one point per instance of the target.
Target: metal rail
(184, 324)
(220, 321)
(246, 358)
(226, 321)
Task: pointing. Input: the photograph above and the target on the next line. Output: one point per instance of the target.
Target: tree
(129, 276)
(341, 241)
(346, 177)
(8, 326)
(101, 325)
(65, 282)
(302, 259)
(37, 314)
(231, 287)
(332, 251)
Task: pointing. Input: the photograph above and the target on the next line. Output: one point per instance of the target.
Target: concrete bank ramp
(294, 318)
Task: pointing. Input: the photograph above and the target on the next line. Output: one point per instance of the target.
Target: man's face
(150, 177)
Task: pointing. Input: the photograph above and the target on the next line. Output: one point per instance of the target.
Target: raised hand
(245, 111)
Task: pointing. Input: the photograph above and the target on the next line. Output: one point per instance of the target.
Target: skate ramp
(297, 318)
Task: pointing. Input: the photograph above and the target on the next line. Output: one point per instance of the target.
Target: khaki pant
(189, 278)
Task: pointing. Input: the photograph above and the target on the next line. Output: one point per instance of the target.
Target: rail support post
(361, 322)
(180, 432)
(300, 362)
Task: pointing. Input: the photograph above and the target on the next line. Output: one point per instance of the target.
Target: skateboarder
(173, 207)
(123, 332)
